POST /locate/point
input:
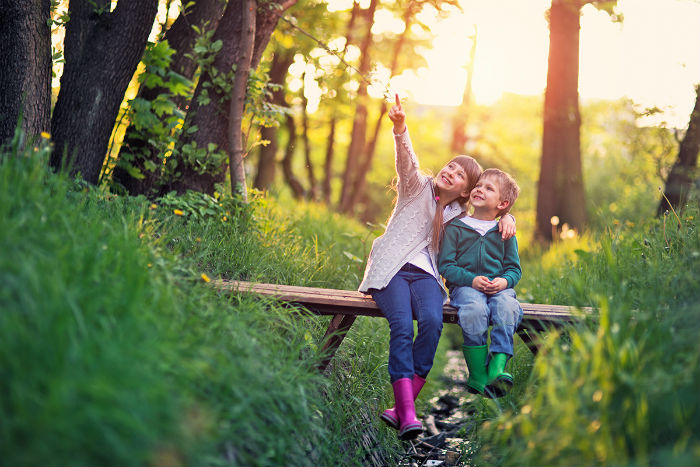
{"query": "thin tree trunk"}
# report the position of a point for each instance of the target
(359, 127)
(368, 156)
(561, 191)
(313, 185)
(237, 104)
(289, 177)
(328, 164)
(25, 68)
(684, 170)
(102, 51)
(267, 155)
(461, 118)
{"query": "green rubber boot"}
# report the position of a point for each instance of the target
(499, 382)
(475, 356)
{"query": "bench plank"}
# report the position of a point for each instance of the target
(346, 305)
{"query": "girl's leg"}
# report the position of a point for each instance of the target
(394, 301)
(426, 301)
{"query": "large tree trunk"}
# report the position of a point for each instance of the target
(25, 67)
(561, 192)
(237, 104)
(684, 170)
(181, 36)
(359, 126)
(211, 118)
(267, 155)
(102, 51)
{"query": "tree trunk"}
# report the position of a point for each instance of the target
(313, 185)
(211, 118)
(684, 170)
(181, 36)
(267, 155)
(237, 104)
(461, 118)
(365, 166)
(102, 51)
(328, 164)
(561, 192)
(359, 126)
(25, 68)
(289, 177)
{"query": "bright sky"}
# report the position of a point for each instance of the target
(652, 57)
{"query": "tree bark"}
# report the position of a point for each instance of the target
(267, 155)
(211, 119)
(181, 36)
(289, 177)
(313, 185)
(25, 68)
(365, 165)
(684, 170)
(459, 121)
(328, 164)
(237, 104)
(102, 51)
(359, 126)
(561, 191)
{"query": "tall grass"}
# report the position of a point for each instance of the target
(622, 389)
(114, 351)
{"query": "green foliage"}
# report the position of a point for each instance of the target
(621, 389)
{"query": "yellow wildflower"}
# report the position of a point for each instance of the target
(45, 135)
(178, 212)
(205, 278)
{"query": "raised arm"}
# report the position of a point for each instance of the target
(406, 160)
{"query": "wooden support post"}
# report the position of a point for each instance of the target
(337, 329)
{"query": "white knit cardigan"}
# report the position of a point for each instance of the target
(409, 229)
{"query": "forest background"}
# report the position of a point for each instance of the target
(157, 111)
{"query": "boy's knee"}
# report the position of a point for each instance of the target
(473, 320)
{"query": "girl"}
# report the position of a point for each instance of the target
(401, 273)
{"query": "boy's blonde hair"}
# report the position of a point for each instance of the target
(508, 188)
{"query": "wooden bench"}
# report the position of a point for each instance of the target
(346, 305)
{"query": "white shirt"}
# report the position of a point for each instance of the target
(477, 224)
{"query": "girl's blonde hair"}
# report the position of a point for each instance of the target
(473, 170)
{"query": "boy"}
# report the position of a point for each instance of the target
(480, 270)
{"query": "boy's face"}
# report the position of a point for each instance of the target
(487, 195)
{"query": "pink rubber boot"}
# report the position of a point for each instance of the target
(390, 417)
(409, 426)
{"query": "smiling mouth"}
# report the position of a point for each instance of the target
(446, 180)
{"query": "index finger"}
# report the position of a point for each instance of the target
(398, 101)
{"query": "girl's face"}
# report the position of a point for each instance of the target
(452, 181)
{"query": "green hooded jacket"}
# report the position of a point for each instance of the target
(465, 254)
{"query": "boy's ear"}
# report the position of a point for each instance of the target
(502, 205)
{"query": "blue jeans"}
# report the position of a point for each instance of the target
(411, 293)
(477, 311)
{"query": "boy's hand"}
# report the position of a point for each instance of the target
(484, 285)
(398, 116)
(506, 226)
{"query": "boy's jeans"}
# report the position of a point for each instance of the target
(411, 292)
(478, 311)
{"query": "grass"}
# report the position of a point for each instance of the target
(622, 389)
(114, 351)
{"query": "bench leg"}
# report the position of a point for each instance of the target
(529, 337)
(337, 329)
